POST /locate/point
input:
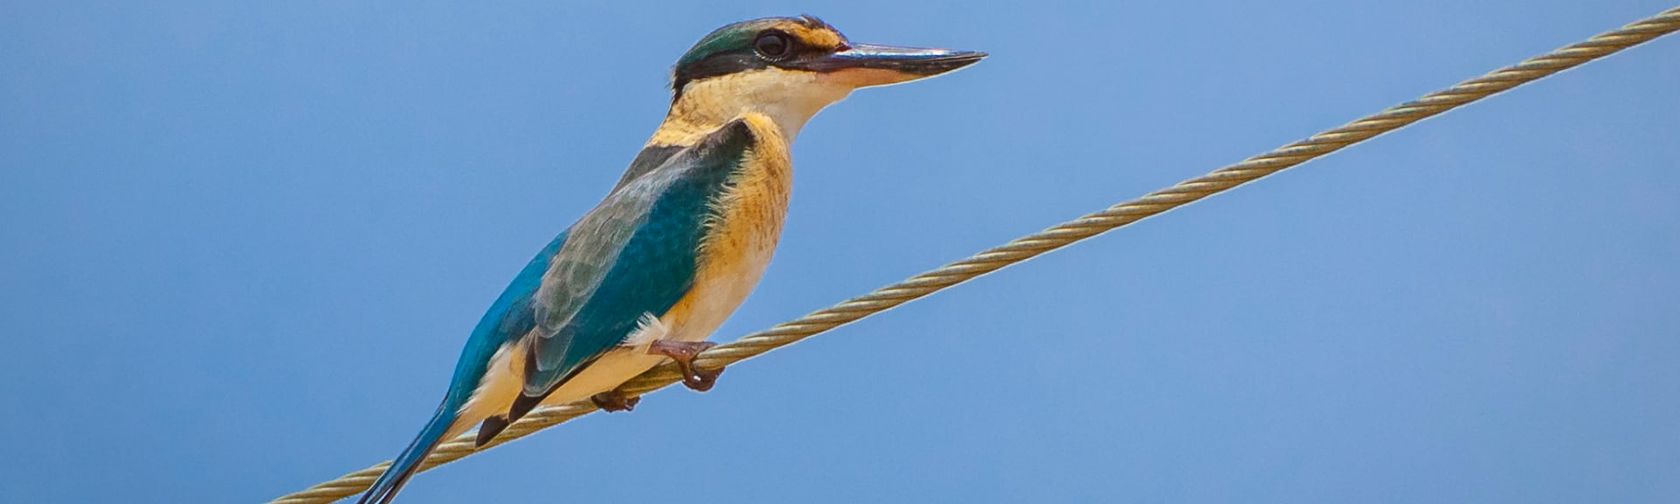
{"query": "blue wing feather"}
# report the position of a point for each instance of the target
(508, 318)
(647, 270)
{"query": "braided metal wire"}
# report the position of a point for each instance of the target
(1056, 237)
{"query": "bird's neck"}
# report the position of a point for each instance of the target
(788, 99)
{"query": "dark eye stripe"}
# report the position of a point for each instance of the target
(769, 48)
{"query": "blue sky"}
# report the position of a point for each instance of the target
(241, 244)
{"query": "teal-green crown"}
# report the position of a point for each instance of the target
(732, 48)
(738, 37)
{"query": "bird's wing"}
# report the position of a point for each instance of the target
(636, 253)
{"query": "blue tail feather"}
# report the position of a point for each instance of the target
(385, 488)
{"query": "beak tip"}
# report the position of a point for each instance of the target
(959, 59)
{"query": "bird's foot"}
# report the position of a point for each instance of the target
(615, 400)
(683, 352)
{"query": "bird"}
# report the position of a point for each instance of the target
(676, 245)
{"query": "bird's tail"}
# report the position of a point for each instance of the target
(385, 488)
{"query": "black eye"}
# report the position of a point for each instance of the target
(773, 45)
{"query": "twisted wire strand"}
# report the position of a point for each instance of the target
(1056, 237)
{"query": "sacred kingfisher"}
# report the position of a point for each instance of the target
(678, 243)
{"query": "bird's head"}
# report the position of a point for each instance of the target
(790, 68)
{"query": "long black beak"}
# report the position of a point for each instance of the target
(911, 60)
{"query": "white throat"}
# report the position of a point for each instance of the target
(789, 98)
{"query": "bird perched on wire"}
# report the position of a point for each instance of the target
(684, 236)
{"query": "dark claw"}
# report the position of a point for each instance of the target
(683, 353)
(700, 381)
(615, 401)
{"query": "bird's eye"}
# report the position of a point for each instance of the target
(773, 45)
